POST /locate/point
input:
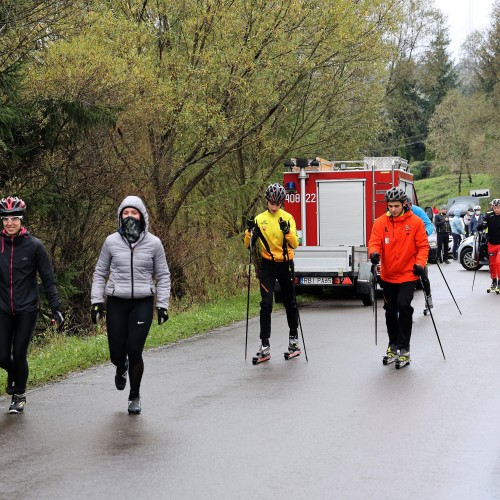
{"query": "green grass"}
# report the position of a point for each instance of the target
(53, 356)
(437, 190)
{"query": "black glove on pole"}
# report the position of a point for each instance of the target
(375, 258)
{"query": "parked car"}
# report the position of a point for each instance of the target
(468, 249)
(461, 203)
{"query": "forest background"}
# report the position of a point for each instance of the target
(194, 105)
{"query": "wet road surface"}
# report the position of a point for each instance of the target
(342, 426)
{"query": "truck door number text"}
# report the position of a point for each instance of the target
(295, 197)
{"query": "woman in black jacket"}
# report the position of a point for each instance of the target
(22, 256)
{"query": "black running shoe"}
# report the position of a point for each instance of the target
(121, 377)
(134, 406)
(10, 384)
(17, 403)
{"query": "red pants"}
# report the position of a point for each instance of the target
(494, 255)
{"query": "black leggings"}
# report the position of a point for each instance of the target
(269, 272)
(128, 322)
(15, 335)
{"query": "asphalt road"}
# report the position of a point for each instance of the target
(341, 426)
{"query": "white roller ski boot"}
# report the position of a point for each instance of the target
(403, 359)
(493, 287)
(263, 354)
(428, 304)
(293, 348)
(391, 355)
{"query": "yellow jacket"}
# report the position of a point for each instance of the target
(269, 226)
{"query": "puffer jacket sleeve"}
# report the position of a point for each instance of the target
(162, 276)
(101, 273)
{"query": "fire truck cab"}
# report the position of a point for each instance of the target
(334, 204)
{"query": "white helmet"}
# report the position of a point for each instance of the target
(476, 208)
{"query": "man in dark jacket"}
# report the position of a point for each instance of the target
(443, 231)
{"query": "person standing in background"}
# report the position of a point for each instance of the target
(443, 231)
(457, 231)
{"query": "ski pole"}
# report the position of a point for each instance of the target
(432, 317)
(475, 253)
(374, 273)
(449, 289)
(292, 269)
(248, 293)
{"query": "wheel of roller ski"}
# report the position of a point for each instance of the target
(254, 361)
(488, 291)
(425, 312)
(497, 291)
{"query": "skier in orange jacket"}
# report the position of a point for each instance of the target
(399, 243)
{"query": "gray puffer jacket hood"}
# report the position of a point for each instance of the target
(137, 203)
(132, 271)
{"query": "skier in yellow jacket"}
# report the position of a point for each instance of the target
(275, 233)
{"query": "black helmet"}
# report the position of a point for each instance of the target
(395, 194)
(275, 193)
(12, 206)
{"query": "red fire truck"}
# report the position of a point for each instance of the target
(334, 204)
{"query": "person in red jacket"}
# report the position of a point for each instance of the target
(399, 243)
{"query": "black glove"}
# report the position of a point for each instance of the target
(57, 319)
(162, 315)
(481, 226)
(97, 312)
(250, 223)
(284, 226)
(418, 270)
(375, 258)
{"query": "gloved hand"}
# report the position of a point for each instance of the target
(250, 223)
(418, 270)
(481, 226)
(284, 226)
(162, 315)
(57, 319)
(97, 312)
(375, 258)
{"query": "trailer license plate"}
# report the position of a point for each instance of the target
(315, 280)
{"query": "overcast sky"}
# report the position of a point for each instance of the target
(464, 16)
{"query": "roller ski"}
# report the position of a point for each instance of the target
(403, 359)
(263, 354)
(293, 348)
(391, 355)
(493, 287)
(428, 304)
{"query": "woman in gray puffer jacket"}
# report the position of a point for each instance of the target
(131, 270)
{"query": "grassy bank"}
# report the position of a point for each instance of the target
(437, 190)
(53, 356)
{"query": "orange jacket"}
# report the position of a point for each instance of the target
(401, 242)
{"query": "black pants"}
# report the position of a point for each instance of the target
(15, 335)
(443, 246)
(128, 322)
(269, 272)
(399, 312)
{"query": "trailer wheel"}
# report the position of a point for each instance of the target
(369, 298)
